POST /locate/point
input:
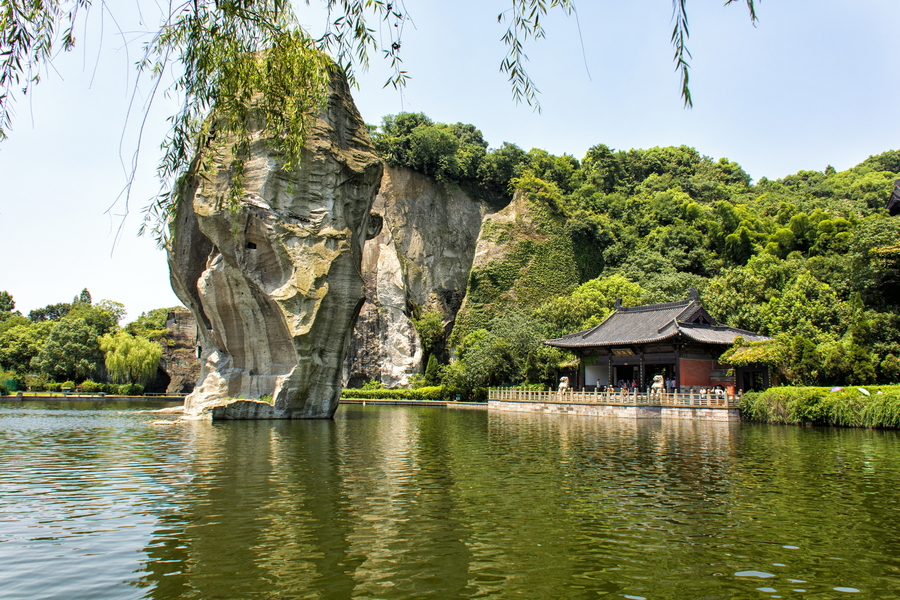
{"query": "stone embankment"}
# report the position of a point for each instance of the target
(686, 406)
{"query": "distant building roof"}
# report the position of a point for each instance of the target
(893, 204)
(656, 323)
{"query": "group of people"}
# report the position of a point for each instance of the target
(622, 384)
(632, 385)
(718, 392)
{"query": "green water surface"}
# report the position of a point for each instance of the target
(409, 502)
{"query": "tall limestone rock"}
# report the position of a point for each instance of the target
(275, 285)
(419, 262)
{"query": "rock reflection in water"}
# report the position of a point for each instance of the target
(306, 509)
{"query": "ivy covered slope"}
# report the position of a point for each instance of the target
(811, 259)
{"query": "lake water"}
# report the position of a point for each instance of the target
(406, 502)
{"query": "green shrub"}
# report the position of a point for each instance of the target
(844, 408)
(476, 394)
(9, 382)
(131, 389)
(36, 383)
(790, 405)
(91, 387)
(435, 392)
(416, 381)
(372, 384)
(432, 371)
(369, 394)
(882, 410)
(531, 387)
(820, 406)
(7, 374)
(53, 386)
(430, 392)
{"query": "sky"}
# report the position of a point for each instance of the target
(814, 83)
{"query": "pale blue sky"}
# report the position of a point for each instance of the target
(815, 83)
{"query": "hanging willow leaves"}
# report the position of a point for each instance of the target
(253, 65)
(270, 79)
(525, 23)
(680, 35)
(248, 69)
(28, 36)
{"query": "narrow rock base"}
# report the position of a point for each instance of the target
(245, 410)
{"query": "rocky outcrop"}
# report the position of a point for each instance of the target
(419, 262)
(275, 285)
(179, 357)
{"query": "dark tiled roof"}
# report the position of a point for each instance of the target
(655, 323)
(719, 334)
(893, 204)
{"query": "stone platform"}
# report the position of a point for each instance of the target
(686, 406)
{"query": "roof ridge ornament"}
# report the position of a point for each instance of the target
(618, 304)
(693, 294)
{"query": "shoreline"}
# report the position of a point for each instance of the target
(86, 398)
(441, 403)
(361, 401)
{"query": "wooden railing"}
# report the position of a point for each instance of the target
(618, 397)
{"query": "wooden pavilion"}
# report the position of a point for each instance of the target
(678, 340)
(893, 204)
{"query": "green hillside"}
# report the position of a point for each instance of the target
(811, 259)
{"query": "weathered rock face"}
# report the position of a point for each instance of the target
(275, 285)
(420, 260)
(179, 359)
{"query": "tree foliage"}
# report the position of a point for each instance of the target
(51, 312)
(7, 304)
(208, 38)
(20, 341)
(430, 329)
(71, 352)
(78, 344)
(454, 153)
(508, 352)
(29, 37)
(151, 324)
(130, 359)
(588, 304)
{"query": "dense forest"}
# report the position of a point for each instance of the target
(810, 259)
(80, 343)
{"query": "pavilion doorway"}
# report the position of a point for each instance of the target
(626, 374)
